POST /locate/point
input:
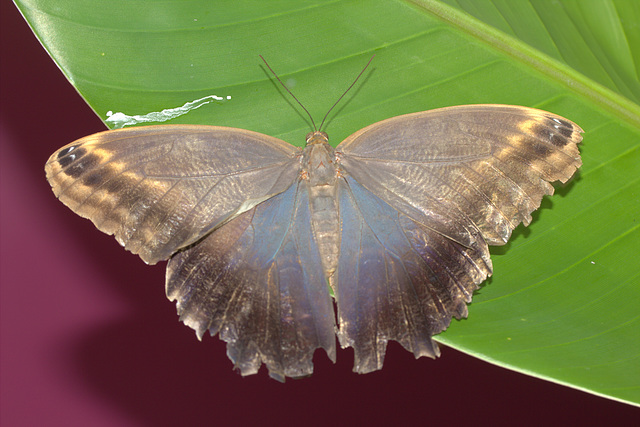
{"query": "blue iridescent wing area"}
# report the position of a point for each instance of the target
(424, 195)
(161, 188)
(258, 282)
(398, 279)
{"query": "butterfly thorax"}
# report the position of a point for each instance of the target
(320, 171)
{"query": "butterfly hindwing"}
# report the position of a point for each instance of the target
(160, 188)
(398, 279)
(258, 283)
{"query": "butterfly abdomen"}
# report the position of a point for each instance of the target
(320, 170)
(325, 225)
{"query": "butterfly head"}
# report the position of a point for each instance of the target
(317, 137)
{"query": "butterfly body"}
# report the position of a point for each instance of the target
(397, 218)
(321, 171)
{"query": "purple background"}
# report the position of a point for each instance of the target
(88, 337)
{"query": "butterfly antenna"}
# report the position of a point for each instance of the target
(290, 93)
(345, 92)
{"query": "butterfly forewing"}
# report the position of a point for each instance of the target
(489, 163)
(161, 188)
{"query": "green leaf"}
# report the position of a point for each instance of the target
(562, 304)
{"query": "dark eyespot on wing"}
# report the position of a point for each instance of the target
(553, 134)
(68, 155)
(63, 152)
(565, 127)
(79, 163)
(555, 129)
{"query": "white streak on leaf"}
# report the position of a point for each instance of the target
(120, 120)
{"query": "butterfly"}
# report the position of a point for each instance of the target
(261, 237)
